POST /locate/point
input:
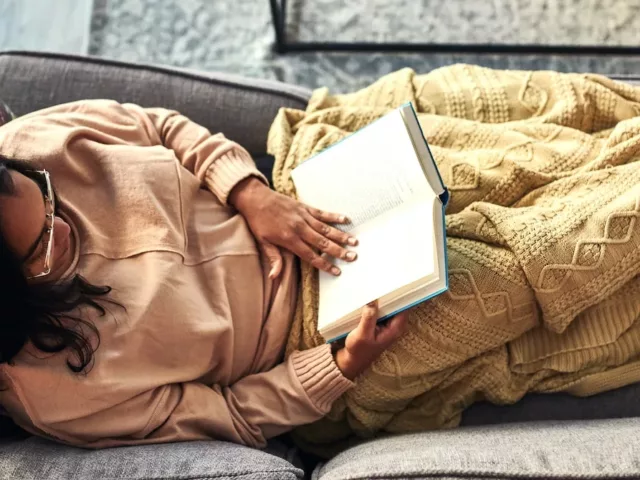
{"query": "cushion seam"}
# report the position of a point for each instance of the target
(476, 475)
(209, 476)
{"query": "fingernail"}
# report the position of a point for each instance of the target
(352, 241)
(372, 304)
(343, 219)
(335, 271)
(351, 256)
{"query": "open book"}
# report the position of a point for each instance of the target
(384, 179)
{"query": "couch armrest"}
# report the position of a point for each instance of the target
(598, 449)
(241, 108)
(45, 460)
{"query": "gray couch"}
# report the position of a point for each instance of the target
(553, 436)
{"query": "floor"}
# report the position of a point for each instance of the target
(49, 25)
(236, 36)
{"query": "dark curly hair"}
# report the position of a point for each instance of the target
(42, 313)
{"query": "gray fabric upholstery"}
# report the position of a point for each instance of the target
(265, 165)
(6, 115)
(632, 79)
(620, 403)
(241, 108)
(566, 450)
(37, 459)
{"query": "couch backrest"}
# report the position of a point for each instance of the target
(242, 108)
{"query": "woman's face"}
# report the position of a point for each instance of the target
(23, 223)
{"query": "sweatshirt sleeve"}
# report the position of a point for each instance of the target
(218, 162)
(254, 409)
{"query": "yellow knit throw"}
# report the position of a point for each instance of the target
(543, 242)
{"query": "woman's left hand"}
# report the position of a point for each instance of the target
(279, 221)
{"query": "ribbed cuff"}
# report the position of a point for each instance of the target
(231, 168)
(320, 376)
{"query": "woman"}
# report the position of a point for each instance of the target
(145, 298)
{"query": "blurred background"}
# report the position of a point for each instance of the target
(237, 36)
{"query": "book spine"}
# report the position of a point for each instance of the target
(444, 197)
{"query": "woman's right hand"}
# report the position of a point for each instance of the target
(365, 344)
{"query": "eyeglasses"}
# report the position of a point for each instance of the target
(50, 209)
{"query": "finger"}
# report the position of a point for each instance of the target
(393, 329)
(306, 253)
(315, 240)
(273, 255)
(369, 317)
(327, 217)
(331, 233)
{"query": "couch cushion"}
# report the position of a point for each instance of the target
(619, 403)
(241, 108)
(631, 79)
(38, 459)
(6, 115)
(562, 450)
(265, 165)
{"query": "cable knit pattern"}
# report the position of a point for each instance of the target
(544, 237)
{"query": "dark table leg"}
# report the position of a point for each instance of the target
(279, 19)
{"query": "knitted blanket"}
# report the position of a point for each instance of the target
(543, 242)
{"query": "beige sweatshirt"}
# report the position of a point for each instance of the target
(197, 353)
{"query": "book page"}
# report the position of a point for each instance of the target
(371, 172)
(396, 249)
